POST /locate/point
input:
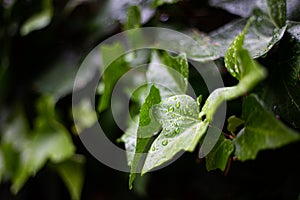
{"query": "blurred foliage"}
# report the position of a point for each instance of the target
(43, 43)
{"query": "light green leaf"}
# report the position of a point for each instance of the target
(39, 20)
(72, 173)
(168, 73)
(252, 74)
(233, 123)
(231, 58)
(49, 141)
(134, 18)
(112, 71)
(146, 129)
(156, 3)
(218, 156)
(86, 116)
(262, 131)
(182, 130)
(13, 141)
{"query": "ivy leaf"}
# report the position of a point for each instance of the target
(182, 130)
(262, 131)
(13, 140)
(134, 18)
(260, 38)
(231, 58)
(233, 123)
(39, 20)
(71, 172)
(129, 138)
(156, 3)
(49, 141)
(168, 73)
(252, 74)
(146, 128)
(86, 116)
(277, 11)
(280, 92)
(112, 71)
(242, 7)
(218, 156)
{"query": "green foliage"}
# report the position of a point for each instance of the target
(257, 130)
(38, 20)
(34, 125)
(219, 155)
(112, 71)
(71, 171)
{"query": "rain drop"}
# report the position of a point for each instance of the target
(171, 109)
(165, 142)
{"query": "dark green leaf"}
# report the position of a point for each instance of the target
(71, 172)
(262, 35)
(277, 11)
(280, 92)
(262, 131)
(218, 157)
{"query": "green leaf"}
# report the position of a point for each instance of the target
(13, 141)
(252, 74)
(114, 67)
(49, 141)
(2, 166)
(156, 3)
(242, 7)
(262, 35)
(39, 20)
(129, 138)
(231, 58)
(168, 73)
(182, 130)
(134, 18)
(277, 11)
(146, 129)
(72, 173)
(262, 131)
(280, 92)
(218, 156)
(233, 123)
(86, 116)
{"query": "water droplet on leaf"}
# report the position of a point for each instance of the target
(165, 142)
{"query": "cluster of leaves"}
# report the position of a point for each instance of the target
(170, 121)
(167, 120)
(34, 133)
